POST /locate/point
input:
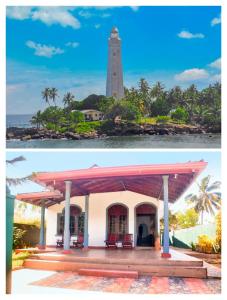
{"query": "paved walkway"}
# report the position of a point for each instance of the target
(36, 281)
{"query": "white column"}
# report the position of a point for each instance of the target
(166, 217)
(67, 215)
(131, 223)
(86, 235)
(42, 226)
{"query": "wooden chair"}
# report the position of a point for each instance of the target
(127, 242)
(59, 243)
(111, 242)
(79, 243)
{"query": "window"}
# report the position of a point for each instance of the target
(118, 220)
(122, 224)
(76, 224)
(112, 221)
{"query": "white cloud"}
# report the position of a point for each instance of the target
(72, 44)
(105, 15)
(216, 21)
(56, 15)
(188, 35)
(216, 78)
(134, 8)
(18, 12)
(97, 26)
(48, 15)
(44, 50)
(192, 75)
(216, 64)
(85, 14)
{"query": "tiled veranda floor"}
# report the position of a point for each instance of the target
(70, 281)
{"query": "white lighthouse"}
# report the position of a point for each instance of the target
(114, 83)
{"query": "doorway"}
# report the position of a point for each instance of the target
(145, 225)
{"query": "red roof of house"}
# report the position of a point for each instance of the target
(143, 179)
(50, 198)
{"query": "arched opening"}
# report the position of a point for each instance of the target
(145, 225)
(76, 224)
(117, 220)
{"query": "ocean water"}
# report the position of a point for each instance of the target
(22, 121)
(152, 142)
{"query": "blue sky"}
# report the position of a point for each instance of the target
(66, 47)
(58, 161)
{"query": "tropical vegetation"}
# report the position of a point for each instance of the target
(208, 199)
(155, 104)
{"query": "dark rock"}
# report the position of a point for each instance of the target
(26, 138)
(71, 135)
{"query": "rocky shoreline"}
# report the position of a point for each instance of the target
(123, 129)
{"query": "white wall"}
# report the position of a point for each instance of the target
(98, 204)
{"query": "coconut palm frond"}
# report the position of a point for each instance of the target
(191, 198)
(204, 183)
(18, 181)
(214, 186)
(15, 160)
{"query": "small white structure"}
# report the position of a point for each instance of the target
(92, 114)
(114, 83)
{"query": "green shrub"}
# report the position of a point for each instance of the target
(50, 126)
(180, 114)
(86, 127)
(193, 246)
(162, 119)
(218, 233)
(205, 244)
(63, 129)
(17, 237)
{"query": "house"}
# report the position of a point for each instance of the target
(92, 114)
(99, 201)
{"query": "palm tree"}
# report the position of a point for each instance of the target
(68, 99)
(16, 181)
(37, 119)
(46, 95)
(53, 94)
(207, 199)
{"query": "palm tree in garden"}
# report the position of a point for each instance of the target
(207, 200)
(46, 95)
(16, 181)
(37, 119)
(53, 94)
(68, 99)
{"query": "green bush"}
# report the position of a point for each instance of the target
(17, 237)
(50, 126)
(163, 119)
(180, 114)
(205, 244)
(86, 127)
(63, 129)
(193, 246)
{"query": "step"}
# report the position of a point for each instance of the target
(181, 271)
(123, 261)
(108, 273)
